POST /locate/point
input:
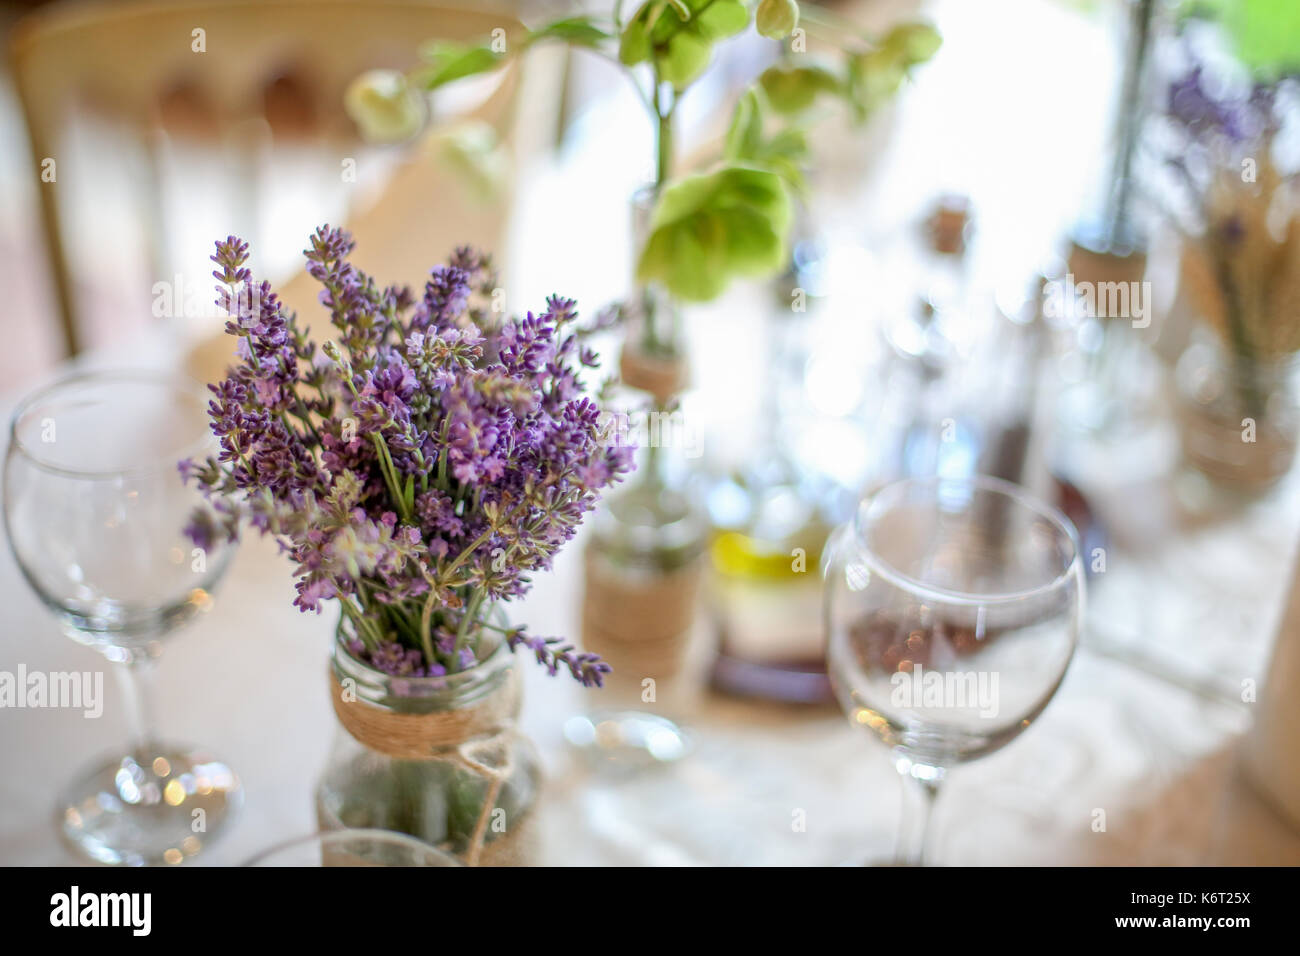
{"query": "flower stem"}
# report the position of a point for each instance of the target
(663, 137)
(1243, 368)
(474, 545)
(426, 621)
(390, 476)
(470, 614)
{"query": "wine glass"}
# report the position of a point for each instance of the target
(362, 847)
(95, 512)
(952, 610)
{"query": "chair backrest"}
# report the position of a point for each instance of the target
(197, 85)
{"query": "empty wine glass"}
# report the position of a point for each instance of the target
(95, 511)
(362, 847)
(952, 611)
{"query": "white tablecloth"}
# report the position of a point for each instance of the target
(1159, 757)
(247, 682)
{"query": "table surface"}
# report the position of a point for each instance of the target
(248, 682)
(1147, 726)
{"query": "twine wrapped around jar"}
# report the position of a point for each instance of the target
(426, 736)
(663, 378)
(640, 622)
(468, 735)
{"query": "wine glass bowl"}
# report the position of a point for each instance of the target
(953, 608)
(95, 512)
(95, 509)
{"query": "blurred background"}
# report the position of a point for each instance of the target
(1034, 146)
(160, 149)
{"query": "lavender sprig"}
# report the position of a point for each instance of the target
(418, 468)
(552, 653)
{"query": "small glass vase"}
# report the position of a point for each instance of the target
(644, 561)
(438, 758)
(1238, 419)
(769, 522)
(641, 612)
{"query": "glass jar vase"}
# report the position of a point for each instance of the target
(1238, 418)
(438, 758)
(644, 560)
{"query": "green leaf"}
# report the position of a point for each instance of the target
(634, 45)
(384, 107)
(793, 89)
(579, 31)
(745, 135)
(473, 150)
(720, 19)
(776, 19)
(710, 228)
(1265, 34)
(788, 143)
(786, 154)
(912, 43)
(681, 48)
(875, 76)
(687, 56)
(454, 61)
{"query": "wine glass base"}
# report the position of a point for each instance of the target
(627, 739)
(160, 808)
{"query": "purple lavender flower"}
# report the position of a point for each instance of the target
(1223, 117)
(446, 295)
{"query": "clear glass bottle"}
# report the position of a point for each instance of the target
(438, 758)
(770, 520)
(644, 559)
(929, 353)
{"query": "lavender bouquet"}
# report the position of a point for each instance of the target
(418, 468)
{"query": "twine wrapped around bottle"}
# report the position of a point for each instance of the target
(1101, 268)
(663, 378)
(465, 735)
(639, 622)
(1216, 448)
(1213, 416)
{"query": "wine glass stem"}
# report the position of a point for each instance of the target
(914, 833)
(136, 680)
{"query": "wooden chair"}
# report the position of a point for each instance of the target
(241, 80)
